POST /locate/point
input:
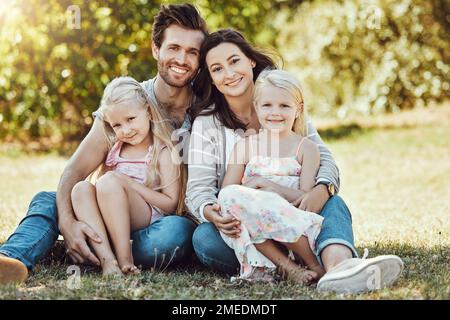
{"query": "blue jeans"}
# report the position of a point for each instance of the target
(165, 242)
(213, 252)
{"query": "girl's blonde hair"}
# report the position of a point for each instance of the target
(124, 90)
(287, 81)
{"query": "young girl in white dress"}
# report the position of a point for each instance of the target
(264, 167)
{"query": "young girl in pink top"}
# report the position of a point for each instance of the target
(139, 181)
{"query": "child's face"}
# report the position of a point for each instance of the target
(130, 122)
(276, 109)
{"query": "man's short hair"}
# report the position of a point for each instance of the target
(185, 15)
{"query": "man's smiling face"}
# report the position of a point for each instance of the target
(178, 56)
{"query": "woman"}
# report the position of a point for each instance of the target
(229, 67)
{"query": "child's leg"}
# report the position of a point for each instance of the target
(287, 267)
(85, 206)
(121, 211)
(302, 248)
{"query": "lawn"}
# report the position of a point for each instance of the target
(394, 178)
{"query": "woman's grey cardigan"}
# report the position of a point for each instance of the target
(206, 164)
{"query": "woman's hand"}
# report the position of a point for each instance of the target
(229, 225)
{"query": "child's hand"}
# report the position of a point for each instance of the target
(257, 183)
(262, 184)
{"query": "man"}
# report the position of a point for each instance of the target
(178, 32)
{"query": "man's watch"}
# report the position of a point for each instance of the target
(330, 187)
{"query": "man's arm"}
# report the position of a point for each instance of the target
(315, 199)
(328, 170)
(88, 156)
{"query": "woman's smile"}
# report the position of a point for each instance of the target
(234, 82)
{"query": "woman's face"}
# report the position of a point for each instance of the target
(230, 69)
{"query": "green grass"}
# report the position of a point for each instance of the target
(394, 179)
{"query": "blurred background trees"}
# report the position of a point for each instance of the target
(352, 56)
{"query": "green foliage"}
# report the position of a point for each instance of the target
(368, 56)
(52, 76)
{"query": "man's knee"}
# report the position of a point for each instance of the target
(335, 207)
(169, 238)
(181, 228)
(44, 204)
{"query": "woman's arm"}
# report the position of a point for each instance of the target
(167, 197)
(202, 185)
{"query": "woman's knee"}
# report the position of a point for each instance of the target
(207, 240)
(212, 251)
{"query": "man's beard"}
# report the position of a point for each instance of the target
(164, 73)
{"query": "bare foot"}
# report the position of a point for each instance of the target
(263, 275)
(319, 270)
(130, 268)
(111, 267)
(300, 275)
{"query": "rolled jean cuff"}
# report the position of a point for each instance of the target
(330, 241)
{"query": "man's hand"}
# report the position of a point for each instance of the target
(229, 225)
(75, 234)
(313, 200)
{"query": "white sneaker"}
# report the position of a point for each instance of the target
(361, 275)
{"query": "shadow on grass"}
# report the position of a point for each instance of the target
(354, 129)
(341, 131)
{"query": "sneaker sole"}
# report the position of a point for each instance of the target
(12, 271)
(372, 274)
